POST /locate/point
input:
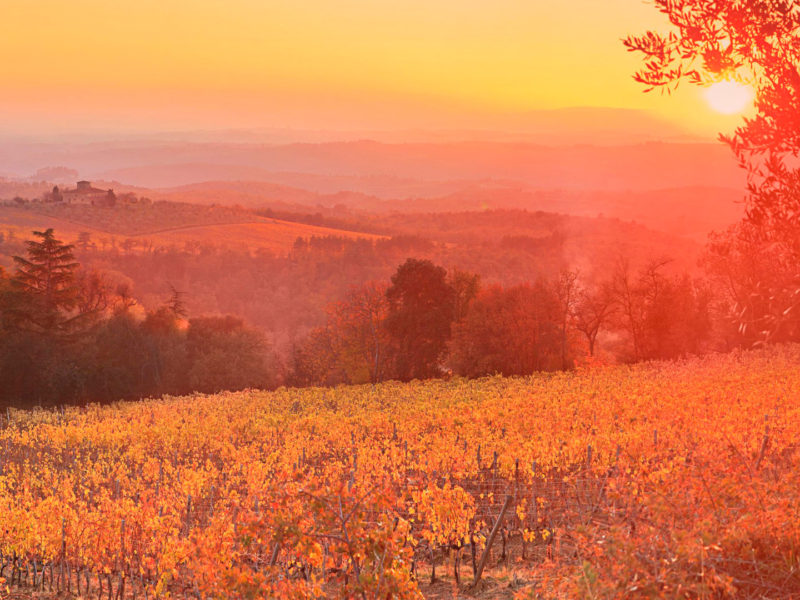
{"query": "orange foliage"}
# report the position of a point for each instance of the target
(658, 480)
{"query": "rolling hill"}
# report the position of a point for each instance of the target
(163, 224)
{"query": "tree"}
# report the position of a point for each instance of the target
(565, 288)
(124, 299)
(315, 362)
(176, 303)
(93, 292)
(421, 311)
(592, 310)
(48, 293)
(223, 354)
(165, 362)
(465, 287)
(754, 42)
(664, 316)
(511, 331)
(753, 285)
(361, 341)
(628, 298)
(84, 241)
(120, 361)
(353, 346)
(5, 291)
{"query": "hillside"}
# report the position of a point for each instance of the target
(633, 167)
(651, 165)
(680, 479)
(389, 169)
(690, 212)
(679, 186)
(163, 224)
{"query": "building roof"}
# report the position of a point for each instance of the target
(85, 190)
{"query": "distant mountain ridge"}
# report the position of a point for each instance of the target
(557, 126)
(635, 167)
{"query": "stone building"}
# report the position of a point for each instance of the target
(84, 193)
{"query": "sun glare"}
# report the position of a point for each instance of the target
(728, 97)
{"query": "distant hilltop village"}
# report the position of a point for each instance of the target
(84, 193)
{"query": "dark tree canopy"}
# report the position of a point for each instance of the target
(224, 354)
(421, 311)
(511, 331)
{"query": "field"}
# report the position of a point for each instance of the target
(162, 224)
(665, 480)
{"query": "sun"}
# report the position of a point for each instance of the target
(728, 97)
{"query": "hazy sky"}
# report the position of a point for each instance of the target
(332, 64)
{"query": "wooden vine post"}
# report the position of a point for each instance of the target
(490, 541)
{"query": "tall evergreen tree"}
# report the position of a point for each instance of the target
(46, 289)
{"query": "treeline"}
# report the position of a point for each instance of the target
(427, 322)
(349, 223)
(285, 294)
(67, 336)
(76, 332)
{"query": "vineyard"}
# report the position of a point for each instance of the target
(662, 480)
(146, 227)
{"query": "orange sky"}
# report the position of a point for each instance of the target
(311, 64)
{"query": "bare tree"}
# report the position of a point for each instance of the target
(566, 293)
(592, 311)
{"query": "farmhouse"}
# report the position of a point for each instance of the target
(84, 193)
